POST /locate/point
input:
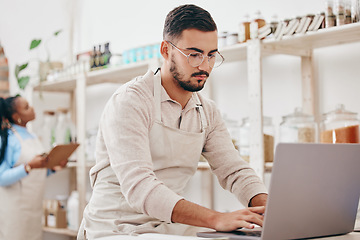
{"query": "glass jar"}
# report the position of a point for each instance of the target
(340, 12)
(47, 130)
(339, 126)
(222, 40)
(245, 139)
(233, 127)
(257, 23)
(330, 17)
(298, 128)
(244, 29)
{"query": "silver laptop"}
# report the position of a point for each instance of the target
(314, 192)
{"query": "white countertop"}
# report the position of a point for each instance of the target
(154, 236)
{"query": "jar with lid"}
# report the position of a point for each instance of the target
(339, 126)
(222, 39)
(233, 127)
(244, 29)
(348, 18)
(274, 23)
(330, 18)
(298, 127)
(232, 39)
(47, 134)
(245, 139)
(340, 12)
(355, 10)
(257, 23)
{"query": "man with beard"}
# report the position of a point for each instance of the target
(151, 135)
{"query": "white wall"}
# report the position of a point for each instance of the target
(140, 22)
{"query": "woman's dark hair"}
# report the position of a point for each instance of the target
(7, 108)
(187, 17)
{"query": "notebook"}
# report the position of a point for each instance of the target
(314, 192)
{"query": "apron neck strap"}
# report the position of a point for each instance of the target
(16, 134)
(200, 109)
(157, 95)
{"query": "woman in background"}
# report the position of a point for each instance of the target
(22, 172)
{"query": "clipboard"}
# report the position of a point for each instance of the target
(60, 153)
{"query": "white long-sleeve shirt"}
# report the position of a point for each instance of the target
(123, 141)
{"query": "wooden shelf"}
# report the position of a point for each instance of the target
(61, 231)
(73, 164)
(298, 45)
(120, 74)
(203, 166)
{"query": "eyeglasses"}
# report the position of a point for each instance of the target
(195, 59)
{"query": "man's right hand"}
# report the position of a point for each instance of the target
(39, 161)
(245, 218)
(192, 214)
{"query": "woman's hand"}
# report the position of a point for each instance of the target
(245, 218)
(39, 161)
(60, 166)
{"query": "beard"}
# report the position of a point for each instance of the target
(186, 84)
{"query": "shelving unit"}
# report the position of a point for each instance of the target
(76, 87)
(61, 231)
(252, 52)
(298, 45)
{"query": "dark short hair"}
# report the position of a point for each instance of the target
(187, 16)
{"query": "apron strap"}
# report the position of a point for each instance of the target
(17, 134)
(200, 109)
(157, 96)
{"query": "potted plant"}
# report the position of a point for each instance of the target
(44, 67)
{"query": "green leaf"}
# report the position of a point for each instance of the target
(35, 43)
(19, 68)
(57, 33)
(23, 81)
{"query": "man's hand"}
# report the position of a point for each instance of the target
(258, 200)
(242, 218)
(192, 214)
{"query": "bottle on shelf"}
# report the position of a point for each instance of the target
(101, 57)
(73, 211)
(64, 129)
(107, 54)
(47, 134)
(93, 59)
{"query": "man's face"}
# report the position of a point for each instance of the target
(191, 78)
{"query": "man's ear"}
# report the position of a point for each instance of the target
(164, 49)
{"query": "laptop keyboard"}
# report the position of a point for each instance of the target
(247, 233)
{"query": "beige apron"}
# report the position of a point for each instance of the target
(175, 154)
(21, 203)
